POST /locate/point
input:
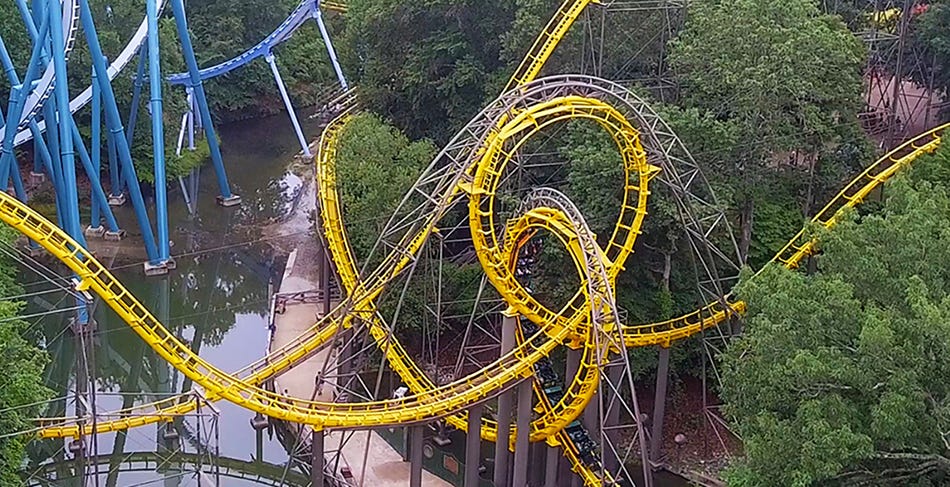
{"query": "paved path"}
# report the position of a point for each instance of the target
(384, 466)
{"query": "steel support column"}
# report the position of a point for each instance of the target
(158, 133)
(316, 458)
(550, 466)
(522, 432)
(505, 402)
(95, 221)
(269, 57)
(318, 15)
(473, 445)
(188, 52)
(66, 150)
(659, 405)
(415, 456)
(573, 365)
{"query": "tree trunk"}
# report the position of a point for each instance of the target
(667, 269)
(745, 228)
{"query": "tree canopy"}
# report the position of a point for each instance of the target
(21, 384)
(784, 76)
(843, 376)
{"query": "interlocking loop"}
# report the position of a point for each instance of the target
(471, 166)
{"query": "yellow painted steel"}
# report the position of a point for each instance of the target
(333, 6)
(571, 325)
(307, 343)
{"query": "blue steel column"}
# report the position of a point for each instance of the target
(191, 118)
(269, 57)
(40, 151)
(114, 122)
(226, 198)
(98, 196)
(96, 222)
(67, 155)
(116, 197)
(158, 132)
(318, 15)
(136, 94)
(17, 96)
(41, 156)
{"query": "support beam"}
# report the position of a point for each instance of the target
(181, 23)
(573, 365)
(316, 458)
(415, 456)
(523, 430)
(116, 130)
(318, 15)
(158, 133)
(615, 375)
(505, 403)
(551, 465)
(659, 405)
(66, 150)
(473, 445)
(96, 146)
(269, 57)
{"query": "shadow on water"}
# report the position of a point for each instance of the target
(216, 302)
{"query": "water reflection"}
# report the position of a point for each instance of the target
(215, 302)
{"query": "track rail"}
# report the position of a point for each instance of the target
(467, 168)
(121, 61)
(303, 12)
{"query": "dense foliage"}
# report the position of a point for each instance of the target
(743, 63)
(842, 376)
(21, 384)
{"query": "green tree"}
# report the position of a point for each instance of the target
(787, 79)
(843, 376)
(22, 380)
(426, 65)
(932, 29)
(376, 166)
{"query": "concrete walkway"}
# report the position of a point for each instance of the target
(384, 466)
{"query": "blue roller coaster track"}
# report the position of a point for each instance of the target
(42, 95)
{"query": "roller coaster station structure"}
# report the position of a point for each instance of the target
(511, 393)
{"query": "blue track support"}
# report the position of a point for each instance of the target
(290, 107)
(96, 145)
(66, 150)
(17, 98)
(190, 96)
(318, 16)
(158, 132)
(115, 177)
(188, 52)
(114, 123)
(37, 162)
(99, 199)
(136, 95)
(18, 188)
(41, 156)
(55, 167)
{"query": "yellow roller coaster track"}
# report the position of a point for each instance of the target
(310, 341)
(480, 165)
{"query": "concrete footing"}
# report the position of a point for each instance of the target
(94, 232)
(114, 236)
(116, 199)
(233, 200)
(155, 270)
